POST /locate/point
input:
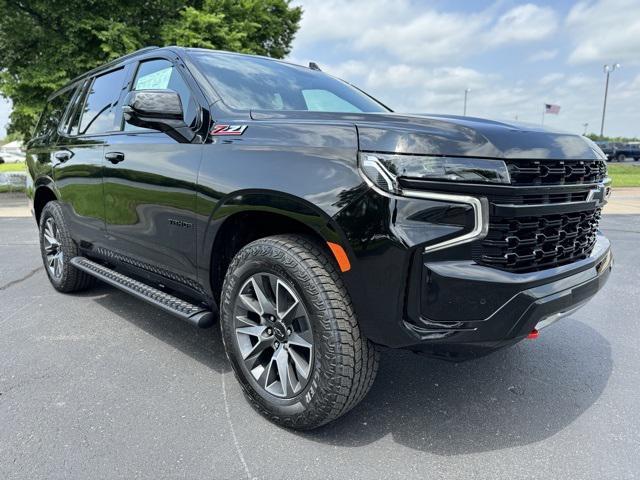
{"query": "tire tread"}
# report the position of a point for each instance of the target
(353, 358)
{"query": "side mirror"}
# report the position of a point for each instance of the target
(158, 110)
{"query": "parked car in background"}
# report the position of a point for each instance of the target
(314, 223)
(616, 151)
(607, 148)
(12, 152)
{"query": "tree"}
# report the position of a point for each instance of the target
(45, 43)
(597, 138)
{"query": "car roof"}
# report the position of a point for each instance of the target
(171, 48)
(106, 66)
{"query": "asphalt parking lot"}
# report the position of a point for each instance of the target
(100, 385)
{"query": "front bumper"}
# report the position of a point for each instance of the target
(467, 310)
(413, 286)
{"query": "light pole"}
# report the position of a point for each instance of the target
(466, 94)
(607, 69)
(585, 125)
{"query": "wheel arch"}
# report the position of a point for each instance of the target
(246, 216)
(43, 194)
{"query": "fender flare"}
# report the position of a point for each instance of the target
(268, 201)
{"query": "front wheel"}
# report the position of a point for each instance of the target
(291, 334)
(621, 157)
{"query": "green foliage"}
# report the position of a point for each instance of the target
(598, 138)
(45, 43)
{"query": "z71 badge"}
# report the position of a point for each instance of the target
(228, 129)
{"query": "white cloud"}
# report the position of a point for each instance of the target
(605, 31)
(428, 36)
(419, 33)
(411, 32)
(543, 55)
(524, 23)
(551, 78)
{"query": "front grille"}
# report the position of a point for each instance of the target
(528, 244)
(541, 198)
(556, 172)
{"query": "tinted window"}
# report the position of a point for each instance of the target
(325, 101)
(259, 83)
(98, 113)
(73, 117)
(162, 75)
(53, 113)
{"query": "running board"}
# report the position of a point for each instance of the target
(193, 314)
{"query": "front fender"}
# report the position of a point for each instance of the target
(255, 200)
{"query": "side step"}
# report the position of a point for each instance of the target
(194, 314)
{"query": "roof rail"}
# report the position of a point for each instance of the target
(113, 62)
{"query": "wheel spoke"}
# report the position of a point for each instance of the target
(246, 321)
(265, 303)
(301, 365)
(286, 301)
(50, 241)
(57, 267)
(298, 340)
(282, 361)
(251, 351)
(250, 304)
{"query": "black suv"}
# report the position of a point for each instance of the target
(312, 221)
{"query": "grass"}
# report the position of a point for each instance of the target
(624, 175)
(12, 167)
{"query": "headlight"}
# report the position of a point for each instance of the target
(385, 169)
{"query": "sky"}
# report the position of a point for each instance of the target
(419, 56)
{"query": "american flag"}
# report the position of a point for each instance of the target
(549, 108)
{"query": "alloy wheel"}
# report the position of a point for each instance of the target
(273, 334)
(53, 248)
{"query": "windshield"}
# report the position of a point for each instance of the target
(254, 83)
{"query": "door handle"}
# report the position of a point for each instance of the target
(63, 155)
(114, 157)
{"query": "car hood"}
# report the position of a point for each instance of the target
(455, 136)
(466, 136)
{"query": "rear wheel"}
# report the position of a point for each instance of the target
(291, 334)
(57, 249)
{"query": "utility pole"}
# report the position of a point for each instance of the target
(607, 70)
(466, 94)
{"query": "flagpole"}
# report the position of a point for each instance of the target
(544, 108)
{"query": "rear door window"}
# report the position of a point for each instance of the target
(98, 113)
(52, 114)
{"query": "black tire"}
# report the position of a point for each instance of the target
(69, 279)
(621, 157)
(344, 363)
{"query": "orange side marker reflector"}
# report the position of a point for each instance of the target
(533, 335)
(341, 256)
